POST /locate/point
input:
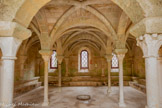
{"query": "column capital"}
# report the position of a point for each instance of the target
(9, 45)
(60, 58)
(121, 53)
(150, 44)
(46, 54)
(13, 29)
(108, 57)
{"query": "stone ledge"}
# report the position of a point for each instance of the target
(25, 86)
(137, 86)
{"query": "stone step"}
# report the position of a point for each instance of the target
(138, 86)
(85, 83)
(22, 87)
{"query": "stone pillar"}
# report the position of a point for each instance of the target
(109, 58)
(46, 55)
(102, 63)
(67, 66)
(121, 54)
(150, 45)
(11, 36)
(22, 63)
(59, 58)
(9, 47)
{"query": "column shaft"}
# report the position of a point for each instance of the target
(121, 54)
(7, 81)
(152, 82)
(67, 66)
(109, 76)
(121, 88)
(46, 102)
(59, 76)
(46, 55)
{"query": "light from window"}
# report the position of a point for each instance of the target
(115, 63)
(84, 59)
(53, 61)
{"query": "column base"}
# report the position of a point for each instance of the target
(45, 103)
(60, 89)
(109, 90)
(122, 105)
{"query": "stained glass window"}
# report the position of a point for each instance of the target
(53, 61)
(84, 59)
(115, 63)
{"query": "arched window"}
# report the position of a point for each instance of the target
(84, 59)
(53, 61)
(115, 63)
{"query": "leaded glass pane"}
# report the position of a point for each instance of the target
(115, 63)
(84, 59)
(54, 60)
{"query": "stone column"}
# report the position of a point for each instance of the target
(11, 36)
(150, 45)
(22, 63)
(9, 47)
(121, 54)
(67, 66)
(46, 55)
(102, 63)
(108, 58)
(59, 58)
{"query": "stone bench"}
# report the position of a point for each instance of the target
(24, 86)
(138, 86)
(86, 81)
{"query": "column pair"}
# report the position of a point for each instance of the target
(59, 59)
(46, 55)
(121, 54)
(108, 59)
(67, 66)
(150, 45)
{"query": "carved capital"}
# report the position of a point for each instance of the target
(9, 45)
(150, 44)
(121, 53)
(13, 29)
(46, 54)
(108, 57)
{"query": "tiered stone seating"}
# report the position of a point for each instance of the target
(139, 84)
(25, 86)
(86, 81)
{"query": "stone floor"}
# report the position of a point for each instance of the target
(66, 98)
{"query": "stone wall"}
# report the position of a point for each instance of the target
(138, 63)
(26, 66)
(33, 65)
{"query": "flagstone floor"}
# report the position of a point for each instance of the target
(65, 97)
